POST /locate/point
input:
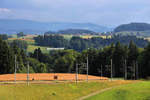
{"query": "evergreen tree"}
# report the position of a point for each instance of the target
(6, 58)
(145, 62)
(118, 58)
(132, 59)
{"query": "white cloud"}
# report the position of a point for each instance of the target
(5, 10)
(96, 11)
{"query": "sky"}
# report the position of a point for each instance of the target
(102, 12)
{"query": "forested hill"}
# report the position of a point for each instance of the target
(133, 27)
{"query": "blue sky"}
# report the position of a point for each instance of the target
(102, 12)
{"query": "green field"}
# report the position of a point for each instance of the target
(62, 91)
(137, 91)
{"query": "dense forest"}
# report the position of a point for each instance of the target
(124, 57)
(51, 41)
(80, 44)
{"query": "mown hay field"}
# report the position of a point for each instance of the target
(48, 76)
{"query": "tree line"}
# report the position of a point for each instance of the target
(80, 44)
(125, 58)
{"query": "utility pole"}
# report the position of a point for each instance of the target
(137, 73)
(125, 69)
(87, 67)
(101, 71)
(15, 67)
(111, 70)
(76, 73)
(28, 73)
(135, 70)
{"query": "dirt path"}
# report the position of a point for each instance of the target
(101, 91)
(95, 93)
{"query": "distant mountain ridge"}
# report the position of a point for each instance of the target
(18, 25)
(76, 31)
(72, 31)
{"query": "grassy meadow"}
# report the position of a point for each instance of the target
(137, 91)
(62, 91)
(31, 48)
